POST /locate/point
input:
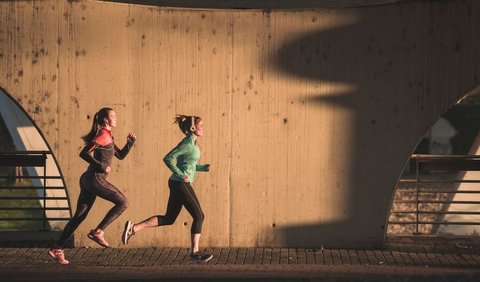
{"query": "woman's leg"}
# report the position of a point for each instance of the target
(195, 242)
(174, 207)
(107, 191)
(192, 205)
(84, 204)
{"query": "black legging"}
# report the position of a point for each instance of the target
(182, 194)
(92, 185)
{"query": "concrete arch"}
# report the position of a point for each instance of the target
(27, 137)
(311, 114)
(451, 124)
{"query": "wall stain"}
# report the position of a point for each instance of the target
(45, 96)
(250, 82)
(75, 101)
(129, 22)
(37, 109)
(82, 52)
(37, 54)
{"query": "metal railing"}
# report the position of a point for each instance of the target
(431, 194)
(37, 183)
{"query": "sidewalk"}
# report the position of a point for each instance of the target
(242, 264)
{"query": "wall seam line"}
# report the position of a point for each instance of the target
(231, 134)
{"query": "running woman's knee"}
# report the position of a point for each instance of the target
(81, 217)
(200, 217)
(81, 214)
(164, 220)
(77, 219)
(123, 204)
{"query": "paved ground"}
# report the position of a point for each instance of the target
(403, 260)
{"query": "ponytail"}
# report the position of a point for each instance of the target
(187, 124)
(98, 123)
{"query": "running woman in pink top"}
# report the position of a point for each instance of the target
(93, 182)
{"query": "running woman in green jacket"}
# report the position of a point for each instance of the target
(182, 161)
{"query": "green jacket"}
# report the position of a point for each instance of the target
(186, 154)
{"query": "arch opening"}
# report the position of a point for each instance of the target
(439, 189)
(33, 193)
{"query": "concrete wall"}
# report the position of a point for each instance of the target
(310, 115)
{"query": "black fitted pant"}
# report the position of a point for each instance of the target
(182, 194)
(94, 184)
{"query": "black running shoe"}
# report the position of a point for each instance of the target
(197, 257)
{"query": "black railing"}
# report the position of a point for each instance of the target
(431, 191)
(10, 184)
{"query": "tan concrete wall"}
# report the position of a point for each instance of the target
(310, 115)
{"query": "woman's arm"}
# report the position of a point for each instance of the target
(121, 154)
(87, 156)
(179, 150)
(103, 138)
(205, 167)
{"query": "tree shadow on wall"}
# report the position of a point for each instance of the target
(378, 59)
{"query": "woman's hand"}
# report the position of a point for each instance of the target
(108, 169)
(131, 137)
(186, 179)
(207, 167)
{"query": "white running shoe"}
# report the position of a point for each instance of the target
(127, 232)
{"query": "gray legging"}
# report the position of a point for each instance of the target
(182, 194)
(94, 184)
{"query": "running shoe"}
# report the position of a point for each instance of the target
(197, 257)
(97, 237)
(58, 255)
(127, 232)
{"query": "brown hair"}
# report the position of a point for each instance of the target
(98, 122)
(187, 123)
